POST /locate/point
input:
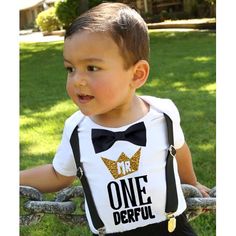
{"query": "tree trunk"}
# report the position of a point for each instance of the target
(83, 6)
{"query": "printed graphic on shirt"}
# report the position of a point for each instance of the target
(134, 207)
(124, 165)
(129, 199)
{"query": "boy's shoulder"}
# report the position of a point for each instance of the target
(73, 121)
(163, 105)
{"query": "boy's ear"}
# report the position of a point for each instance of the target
(140, 73)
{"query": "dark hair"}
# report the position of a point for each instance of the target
(126, 27)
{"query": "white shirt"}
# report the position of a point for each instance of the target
(127, 181)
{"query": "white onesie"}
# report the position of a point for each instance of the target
(127, 181)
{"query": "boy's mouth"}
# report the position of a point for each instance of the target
(85, 98)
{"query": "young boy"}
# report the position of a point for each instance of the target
(106, 53)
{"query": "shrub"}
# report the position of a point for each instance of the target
(47, 20)
(67, 11)
(93, 3)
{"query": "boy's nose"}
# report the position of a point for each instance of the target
(79, 79)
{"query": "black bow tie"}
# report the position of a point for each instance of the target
(104, 139)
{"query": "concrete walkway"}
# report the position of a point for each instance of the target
(204, 23)
(180, 25)
(29, 36)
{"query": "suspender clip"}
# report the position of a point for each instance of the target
(80, 172)
(172, 150)
(171, 222)
(102, 231)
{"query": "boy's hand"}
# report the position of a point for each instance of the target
(186, 171)
(203, 189)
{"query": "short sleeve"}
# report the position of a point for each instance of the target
(179, 139)
(63, 161)
(164, 105)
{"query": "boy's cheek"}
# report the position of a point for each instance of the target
(68, 89)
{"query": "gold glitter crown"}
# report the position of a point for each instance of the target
(124, 165)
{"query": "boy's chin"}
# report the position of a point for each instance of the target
(88, 112)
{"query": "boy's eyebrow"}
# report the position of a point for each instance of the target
(66, 60)
(86, 60)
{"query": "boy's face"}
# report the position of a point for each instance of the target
(97, 81)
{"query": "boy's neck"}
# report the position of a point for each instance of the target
(136, 109)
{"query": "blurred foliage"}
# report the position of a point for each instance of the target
(67, 11)
(47, 20)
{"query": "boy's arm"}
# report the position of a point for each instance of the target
(186, 171)
(45, 179)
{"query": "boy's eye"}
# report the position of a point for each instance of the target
(70, 69)
(92, 68)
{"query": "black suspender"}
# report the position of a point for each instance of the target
(171, 192)
(97, 222)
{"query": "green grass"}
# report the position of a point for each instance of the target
(182, 68)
